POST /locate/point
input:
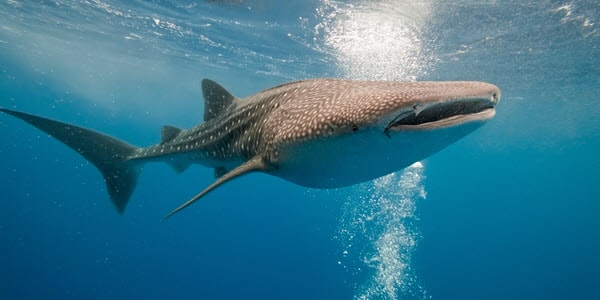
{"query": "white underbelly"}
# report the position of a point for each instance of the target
(360, 157)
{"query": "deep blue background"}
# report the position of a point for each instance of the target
(511, 211)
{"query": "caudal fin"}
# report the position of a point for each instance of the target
(108, 154)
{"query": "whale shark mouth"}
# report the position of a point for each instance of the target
(444, 114)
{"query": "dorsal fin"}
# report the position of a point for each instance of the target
(216, 98)
(168, 133)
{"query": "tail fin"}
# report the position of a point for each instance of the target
(108, 154)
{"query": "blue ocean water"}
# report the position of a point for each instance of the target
(509, 212)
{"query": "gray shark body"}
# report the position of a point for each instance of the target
(321, 133)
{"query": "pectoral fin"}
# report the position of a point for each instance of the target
(254, 164)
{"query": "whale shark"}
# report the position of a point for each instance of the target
(317, 133)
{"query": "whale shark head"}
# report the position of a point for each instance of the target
(338, 133)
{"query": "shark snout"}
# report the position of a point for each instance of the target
(496, 96)
(491, 92)
(476, 105)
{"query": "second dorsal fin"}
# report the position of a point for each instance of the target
(169, 133)
(216, 98)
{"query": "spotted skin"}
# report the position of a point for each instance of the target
(320, 133)
(299, 111)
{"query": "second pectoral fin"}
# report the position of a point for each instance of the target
(255, 164)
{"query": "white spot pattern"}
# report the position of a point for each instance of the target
(303, 110)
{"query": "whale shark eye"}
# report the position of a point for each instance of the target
(354, 128)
